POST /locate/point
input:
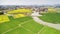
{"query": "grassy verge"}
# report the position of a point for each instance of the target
(51, 17)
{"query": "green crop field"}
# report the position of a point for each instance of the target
(25, 25)
(51, 17)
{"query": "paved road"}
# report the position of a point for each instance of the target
(38, 20)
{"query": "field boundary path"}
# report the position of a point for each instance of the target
(38, 20)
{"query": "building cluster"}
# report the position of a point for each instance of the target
(33, 8)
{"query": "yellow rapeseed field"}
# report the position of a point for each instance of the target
(3, 18)
(18, 11)
(52, 10)
(18, 15)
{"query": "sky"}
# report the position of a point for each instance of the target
(29, 2)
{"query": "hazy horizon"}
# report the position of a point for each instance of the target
(29, 2)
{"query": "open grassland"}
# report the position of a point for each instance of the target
(25, 25)
(51, 17)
